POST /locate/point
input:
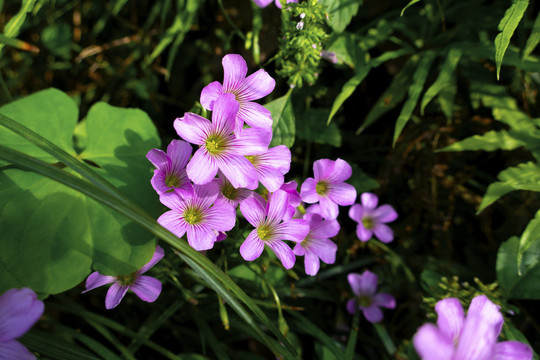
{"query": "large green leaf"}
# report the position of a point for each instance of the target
(283, 126)
(529, 238)
(341, 12)
(492, 140)
(519, 283)
(507, 26)
(533, 39)
(525, 176)
(60, 233)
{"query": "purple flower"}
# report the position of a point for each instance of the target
(328, 187)
(294, 199)
(270, 230)
(245, 90)
(317, 244)
(271, 167)
(330, 56)
(219, 148)
(265, 3)
(170, 173)
(197, 215)
(229, 194)
(367, 299)
(19, 311)
(456, 337)
(371, 218)
(145, 287)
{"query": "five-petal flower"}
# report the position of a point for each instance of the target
(170, 172)
(366, 298)
(371, 219)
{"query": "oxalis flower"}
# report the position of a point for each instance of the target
(456, 337)
(245, 90)
(371, 219)
(271, 167)
(219, 148)
(229, 194)
(269, 228)
(170, 173)
(145, 287)
(198, 215)
(328, 187)
(367, 299)
(317, 244)
(19, 311)
(265, 3)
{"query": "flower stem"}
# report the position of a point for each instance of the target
(392, 253)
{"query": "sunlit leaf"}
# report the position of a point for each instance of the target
(283, 127)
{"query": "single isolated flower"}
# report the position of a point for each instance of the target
(271, 167)
(265, 3)
(317, 244)
(219, 148)
(328, 187)
(19, 311)
(371, 219)
(145, 287)
(170, 173)
(244, 89)
(367, 299)
(269, 228)
(456, 337)
(198, 215)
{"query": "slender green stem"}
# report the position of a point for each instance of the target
(385, 338)
(392, 253)
(351, 344)
(229, 20)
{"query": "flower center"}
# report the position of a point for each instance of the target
(368, 222)
(214, 145)
(229, 191)
(127, 279)
(364, 301)
(253, 159)
(264, 232)
(193, 216)
(172, 180)
(321, 188)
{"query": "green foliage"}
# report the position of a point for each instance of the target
(341, 12)
(507, 26)
(283, 126)
(14, 25)
(61, 234)
(312, 126)
(533, 39)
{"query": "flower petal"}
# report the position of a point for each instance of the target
(237, 169)
(363, 285)
(322, 169)
(234, 72)
(147, 288)
(179, 152)
(431, 344)
(383, 233)
(356, 212)
(308, 191)
(324, 229)
(255, 115)
(271, 178)
(372, 313)
(256, 86)
(201, 237)
(352, 306)
(224, 113)
(369, 200)
(159, 253)
(158, 182)
(277, 207)
(193, 128)
(174, 222)
(210, 93)
(95, 280)
(341, 171)
(221, 217)
(13, 349)
(202, 168)
(512, 350)
(363, 233)
(205, 195)
(283, 252)
(262, 3)
(329, 209)
(294, 230)
(384, 214)
(477, 340)
(482, 306)
(311, 263)
(450, 318)
(19, 311)
(158, 158)
(385, 300)
(342, 193)
(252, 247)
(115, 294)
(325, 249)
(252, 141)
(254, 211)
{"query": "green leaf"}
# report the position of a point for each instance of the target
(392, 96)
(525, 176)
(283, 125)
(411, 3)
(490, 141)
(57, 39)
(530, 236)
(14, 24)
(533, 39)
(444, 79)
(312, 127)
(347, 90)
(507, 26)
(415, 89)
(345, 46)
(515, 284)
(341, 12)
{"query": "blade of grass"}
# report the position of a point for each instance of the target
(351, 344)
(385, 338)
(206, 331)
(54, 347)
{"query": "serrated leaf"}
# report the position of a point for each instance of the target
(525, 176)
(514, 284)
(533, 39)
(61, 234)
(341, 12)
(283, 125)
(444, 79)
(507, 26)
(415, 89)
(392, 96)
(348, 89)
(312, 127)
(490, 141)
